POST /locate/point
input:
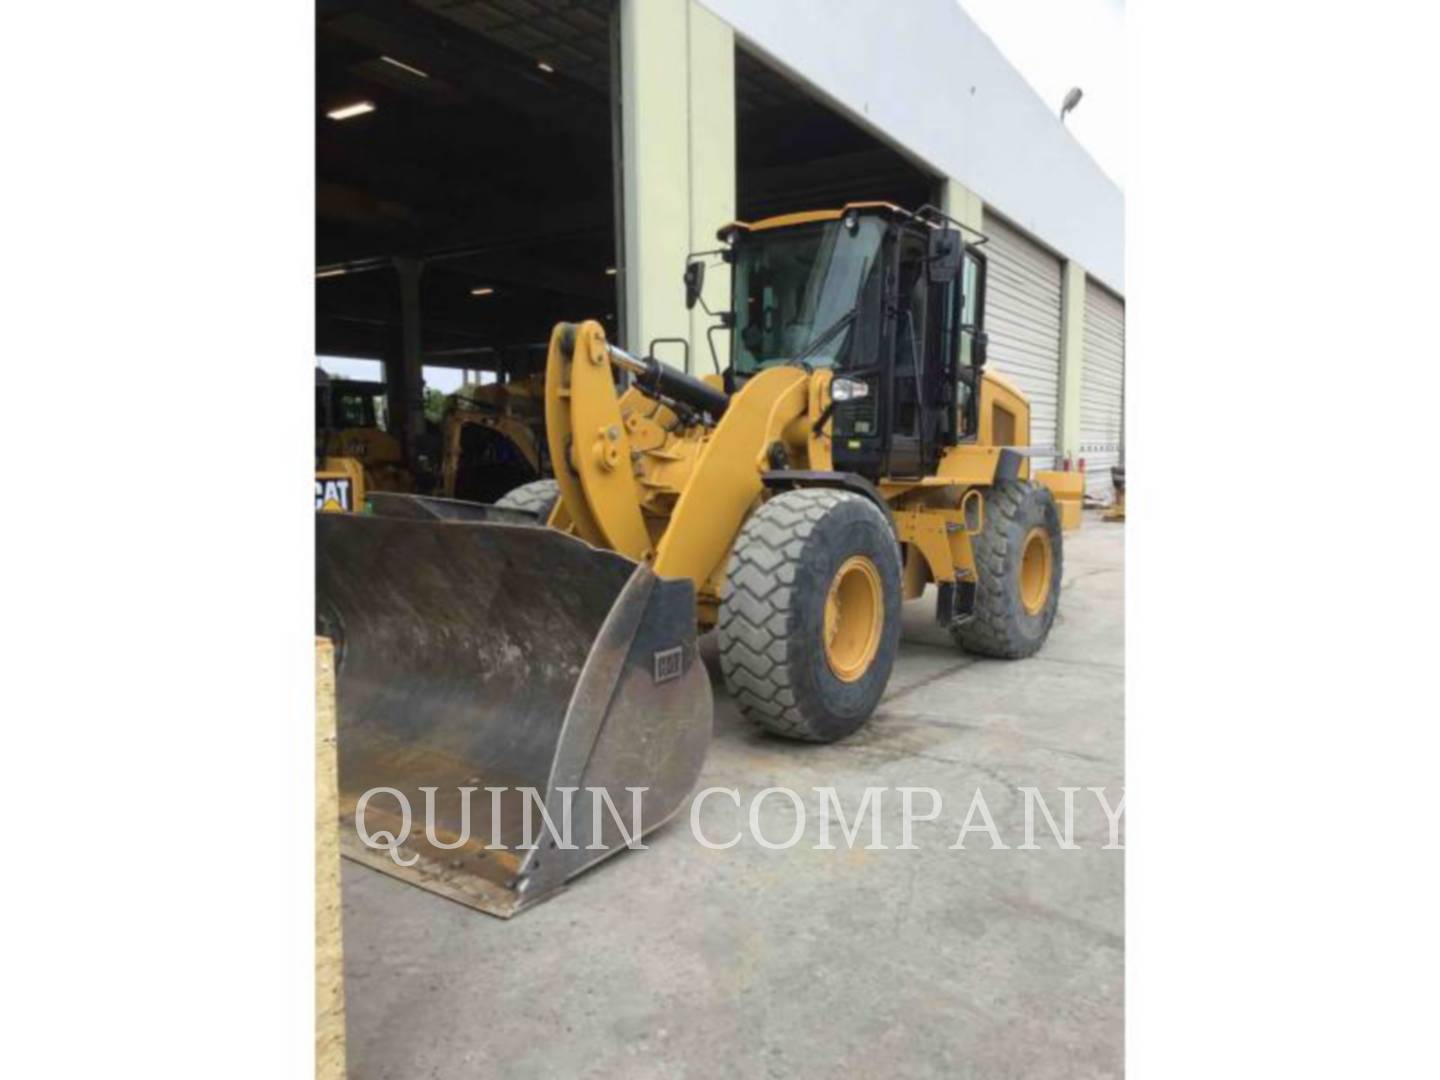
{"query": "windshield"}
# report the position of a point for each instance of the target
(792, 288)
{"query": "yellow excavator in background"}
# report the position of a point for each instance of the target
(855, 452)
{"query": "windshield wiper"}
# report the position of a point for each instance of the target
(829, 332)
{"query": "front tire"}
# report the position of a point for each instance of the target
(1019, 563)
(810, 613)
(537, 497)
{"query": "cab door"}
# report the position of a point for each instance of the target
(925, 392)
(911, 444)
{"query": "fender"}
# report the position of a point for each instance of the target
(789, 479)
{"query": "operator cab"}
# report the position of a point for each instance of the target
(891, 301)
(346, 403)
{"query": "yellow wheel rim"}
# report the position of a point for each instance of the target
(854, 614)
(1037, 562)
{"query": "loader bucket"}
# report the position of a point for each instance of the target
(488, 665)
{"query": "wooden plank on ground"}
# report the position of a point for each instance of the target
(329, 964)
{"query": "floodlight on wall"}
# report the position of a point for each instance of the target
(543, 66)
(345, 112)
(1071, 100)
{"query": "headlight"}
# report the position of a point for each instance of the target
(848, 390)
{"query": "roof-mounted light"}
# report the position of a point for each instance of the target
(346, 112)
(405, 67)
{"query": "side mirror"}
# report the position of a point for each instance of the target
(943, 259)
(694, 282)
(979, 349)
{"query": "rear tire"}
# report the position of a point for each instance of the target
(1018, 551)
(810, 613)
(537, 497)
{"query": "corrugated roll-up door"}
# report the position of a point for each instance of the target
(1022, 317)
(1102, 389)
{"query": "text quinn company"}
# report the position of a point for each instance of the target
(865, 827)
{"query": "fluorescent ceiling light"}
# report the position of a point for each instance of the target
(345, 112)
(405, 67)
(543, 66)
(484, 290)
(334, 271)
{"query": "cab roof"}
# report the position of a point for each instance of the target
(805, 217)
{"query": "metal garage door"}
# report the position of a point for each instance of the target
(1102, 388)
(1022, 317)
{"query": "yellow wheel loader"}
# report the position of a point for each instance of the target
(494, 439)
(543, 656)
(353, 454)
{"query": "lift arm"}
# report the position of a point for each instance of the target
(594, 459)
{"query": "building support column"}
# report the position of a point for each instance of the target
(677, 80)
(1072, 356)
(962, 204)
(405, 382)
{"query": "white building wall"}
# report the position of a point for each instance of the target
(923, 77)
(678, 132)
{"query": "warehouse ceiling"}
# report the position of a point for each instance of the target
(493, 167)
(488, 153)
(795, 152)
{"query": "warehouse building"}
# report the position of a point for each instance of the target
(489, 167)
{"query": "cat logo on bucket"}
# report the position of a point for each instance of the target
(335, 494)
(669, 664)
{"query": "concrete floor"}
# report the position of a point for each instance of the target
(685, 962)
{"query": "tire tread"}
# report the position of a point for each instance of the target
(993, 630)
(755, 608)
(536, 497)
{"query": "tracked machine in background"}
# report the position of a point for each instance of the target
(855, 452)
